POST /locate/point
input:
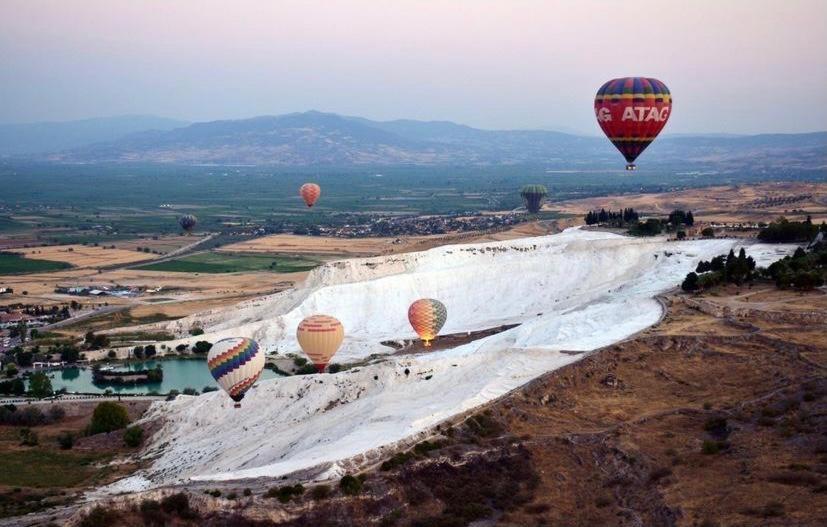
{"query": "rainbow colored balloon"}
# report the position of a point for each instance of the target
(235, 363)
(427, 316)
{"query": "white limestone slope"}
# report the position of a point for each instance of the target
(574, 291)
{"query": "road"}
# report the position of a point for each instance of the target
(80, 397)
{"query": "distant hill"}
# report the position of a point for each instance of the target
(326, 139)
(32, 138)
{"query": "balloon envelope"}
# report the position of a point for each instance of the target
(427, 316)
(533, 196)
(320, 337)
(310, 192)
(632, 111)
(235, 363)
(187, 222)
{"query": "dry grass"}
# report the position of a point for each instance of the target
(85, 257)
(731, 204)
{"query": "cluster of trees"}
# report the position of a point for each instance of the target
(617, 219)
(679, 217)
(721, 269)
(40, 386)
(804, 270)
(142, 352)
(29, 415)
(95, 342)
(785, 231)
(202, 346)
(650, 227)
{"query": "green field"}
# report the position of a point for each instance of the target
(40, 467)
(233, 263)
(11, 263)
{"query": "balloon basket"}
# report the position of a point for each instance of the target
(631, 166)
(237, 405)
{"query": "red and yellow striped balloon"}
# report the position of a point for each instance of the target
(427, 316)
(310, 192)
(320, 337)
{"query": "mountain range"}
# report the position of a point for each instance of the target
(326, 139)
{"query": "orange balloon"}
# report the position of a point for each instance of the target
(427, 316)
(320, 337)
(310, 192)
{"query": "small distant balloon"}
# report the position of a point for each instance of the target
(320, 337)
(533, 197)
(632, 111)
(187, 222)
(310, 192)
(235, 363)
(427, 316)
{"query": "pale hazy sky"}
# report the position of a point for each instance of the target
(741, 66)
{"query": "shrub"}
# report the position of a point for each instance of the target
(190, 391)
(285, 493)
(196, 331)
(100, 517)
(108, 416)
(177, 504)
(181, 347)
(28, 437)
(66, 440)
(56, 413)
(151, 513)
(713, 447)
(248, 492)
(133, 436)
(299, 361)
(112, 354)
(334, 368)
(320, 492)
(708, 232)
(172, 395)
(350, 485)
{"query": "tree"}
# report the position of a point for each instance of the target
(202, 346)
(40, 386)
(133, 436)
(108, 416)
(66, 440)
(690, 283)
(708, 232)
(69, 353)
(138, 351)
(149, 350)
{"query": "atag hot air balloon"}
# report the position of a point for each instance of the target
(533, 196)
(632, 111)
(320, 337)
(187, 222)
(427, 316)
(310, 192)
(236, 364)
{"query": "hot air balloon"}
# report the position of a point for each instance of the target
(310, 192)
(632, 111)
(533, 196)
(427, 316)
(235, 363)
(320, 336)
(187, 222)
